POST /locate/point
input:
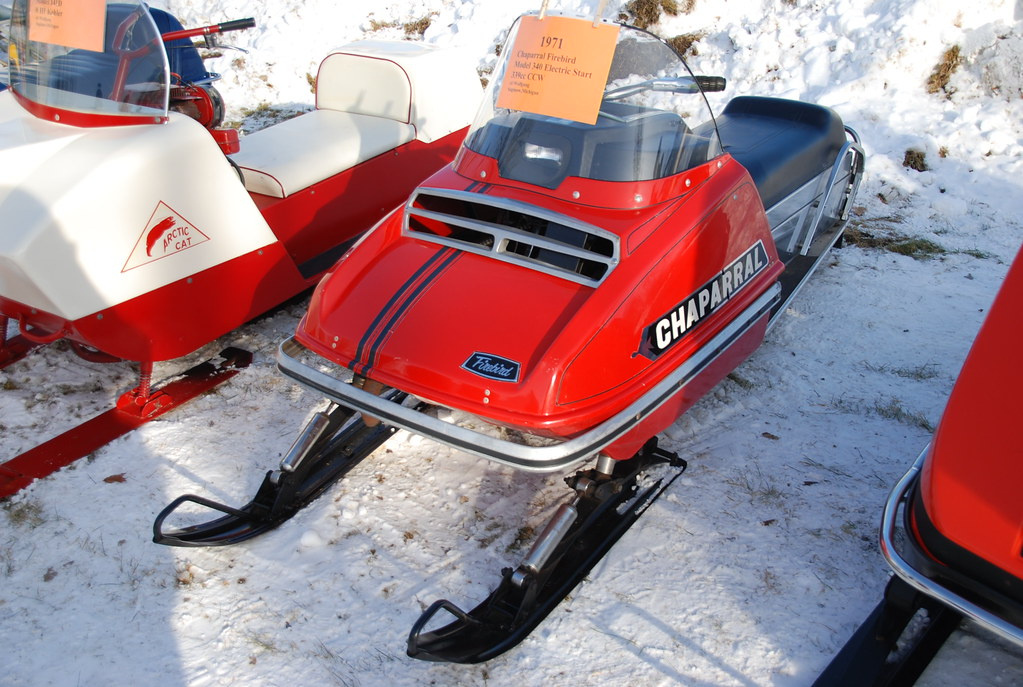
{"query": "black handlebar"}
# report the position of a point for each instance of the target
(237, 24)
(711, 83)
(207, 31)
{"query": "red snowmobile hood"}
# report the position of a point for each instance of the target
(457, 327)
(423, 303)
(970, 480)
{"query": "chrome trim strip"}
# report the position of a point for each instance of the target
(921, 582)
(530, 458)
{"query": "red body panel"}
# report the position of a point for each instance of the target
(663, 417)
(970, 482)
(180, 317)
(409, 312)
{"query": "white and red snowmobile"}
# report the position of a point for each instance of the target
(137, 230)
(600, 254)
(952, 528)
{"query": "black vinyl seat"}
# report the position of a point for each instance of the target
(781, 143)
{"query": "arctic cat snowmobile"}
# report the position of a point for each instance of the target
(136, 230)
(575, 280)
(959, 550)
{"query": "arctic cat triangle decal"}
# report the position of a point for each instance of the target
(165, 234)
(668, 329)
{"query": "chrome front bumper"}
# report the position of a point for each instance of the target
(560, 456)
(919, 581)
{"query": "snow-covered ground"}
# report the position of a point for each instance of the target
(752, 569)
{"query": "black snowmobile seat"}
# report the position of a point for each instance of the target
(781, 143)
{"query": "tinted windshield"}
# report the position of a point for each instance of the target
(88, 57)
(653, 122)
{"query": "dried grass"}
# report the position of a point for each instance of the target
(942, 74)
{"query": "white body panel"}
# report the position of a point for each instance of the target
(80, 204)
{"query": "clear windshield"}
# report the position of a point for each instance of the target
(653, 122)
(88, 57)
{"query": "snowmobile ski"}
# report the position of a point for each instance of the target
(577, 537)
(332, 443)
(133, 409)
(883, 652)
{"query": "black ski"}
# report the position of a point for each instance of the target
(883, 652)
(341, 441)
(606, 508)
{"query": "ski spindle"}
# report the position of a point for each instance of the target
(544, 546)
(145, 386)
(605, 464)
(12, 347)
(307, 438)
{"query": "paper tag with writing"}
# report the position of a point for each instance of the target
(558, 67)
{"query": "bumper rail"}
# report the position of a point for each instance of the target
(921, 582)
(529, 458)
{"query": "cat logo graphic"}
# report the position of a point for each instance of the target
(166, 233)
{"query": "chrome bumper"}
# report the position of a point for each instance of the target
(557, 457)
(921, 582)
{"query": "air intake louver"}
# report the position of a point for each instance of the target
(514, 232)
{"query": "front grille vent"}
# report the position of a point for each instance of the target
(514, 232)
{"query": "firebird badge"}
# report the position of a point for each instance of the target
(492, 367)
(670, 327)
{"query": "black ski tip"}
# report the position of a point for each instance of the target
(281, 495)
(236, 525)
(469, 639)
(436, 645)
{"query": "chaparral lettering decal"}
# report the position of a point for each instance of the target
(165, 234)
(493, 367)
(695, 308)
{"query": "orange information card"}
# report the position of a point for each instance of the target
(71, 23)
(558, 67)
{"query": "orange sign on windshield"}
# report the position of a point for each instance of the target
(70, 23)
(558, 67)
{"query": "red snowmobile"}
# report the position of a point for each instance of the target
(128, 232)
(959, 550)
(576, 279)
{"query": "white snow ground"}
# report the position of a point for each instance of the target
(755, 566)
